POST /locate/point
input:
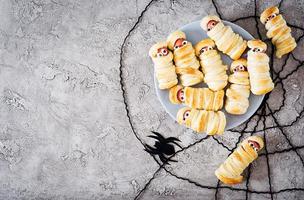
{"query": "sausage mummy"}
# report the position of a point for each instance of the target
(163, 65)
(199, 98)
(225, 39)
(258, 68)
(210, 122)
(230, 171)
(238, 92)
(185, 60)
(212, 65)
(278, 31)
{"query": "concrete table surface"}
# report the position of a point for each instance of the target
(64, 128)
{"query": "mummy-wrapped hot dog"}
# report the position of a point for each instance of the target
(212, 65)
(258, 68)
(278, 30)
(163, 65)
(185, 60)
(210, 122)
(230, 171)
(225, 39)
(238, 92)
(199, 98)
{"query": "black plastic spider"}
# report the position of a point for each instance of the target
(163, 148)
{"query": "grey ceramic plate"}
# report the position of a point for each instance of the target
(194, 35)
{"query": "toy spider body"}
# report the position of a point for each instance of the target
(163, 147)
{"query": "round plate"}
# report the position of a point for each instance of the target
(195, 34)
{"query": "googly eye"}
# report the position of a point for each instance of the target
(208, 29)
(256, 149)
(159, 54)
(182, 98)
(176, 47)
(241, 67)
(185, 42)
(251, 145)
(213, 23)
(234, 70)
(164, 51)
(187, 114)
(209, 48)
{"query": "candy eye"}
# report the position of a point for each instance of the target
(165, 52)
(159, 54)
(176, 47)
(235, 70)
(186, 115)
(209, 48)
(241, 68)
(251, 144)
(185, 42)
(213, 23)
(202, 50)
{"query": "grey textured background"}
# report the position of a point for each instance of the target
(64, 133)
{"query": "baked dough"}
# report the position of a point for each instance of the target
(199, 98)
(258, 68)
(212, 65)
(230, 171)
(238, 92)
(187, 65)
(210, 122)
(225, 39)
(278, 30)
(163, 65)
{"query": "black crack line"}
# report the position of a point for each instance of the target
(221, 143)
(267, 160)
(283, 151)
(147, 184)
(217, 189)
(232, 188)
(247, 181)
(217, 10)
(283, 132)
(280, 4)
(256, 20)
(122, 84)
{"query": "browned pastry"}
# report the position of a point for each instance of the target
(230, 171)
(187, 65)
(238, 92)
(210, 122)
(225, 39)
(163, 65)
(278, 31)
(199, 98)
(258, 68)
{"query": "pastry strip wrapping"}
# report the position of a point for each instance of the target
(224, 37)
(198, 98)
(278, 31)
(238, 92)
(209, 122)
(212, 65)
(163, 65)
(258, 68)
(230, 171)
(187, 65)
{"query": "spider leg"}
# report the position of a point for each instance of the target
(160, 137)
(155, 137)
(150, 149)
(176, 144)
(163, 159)
(170, 139)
